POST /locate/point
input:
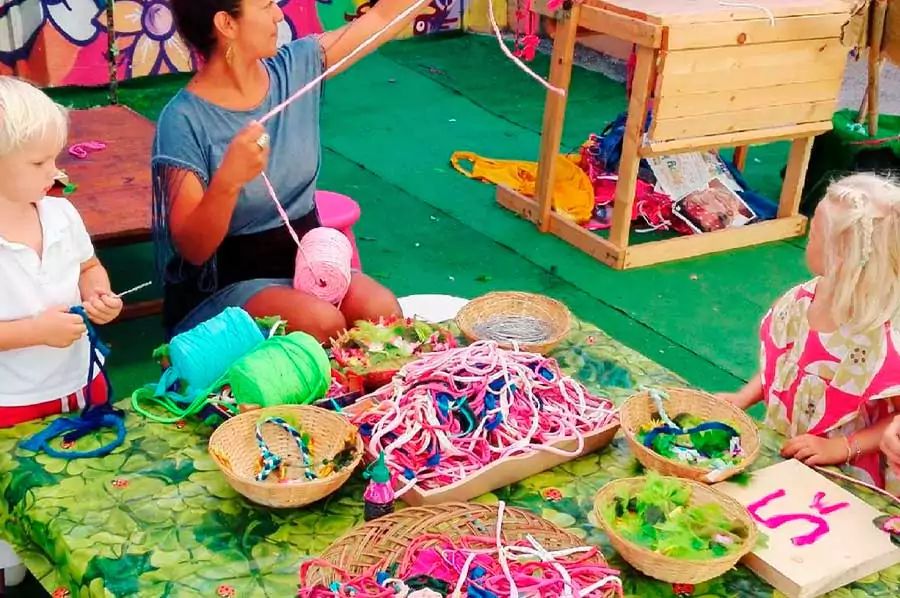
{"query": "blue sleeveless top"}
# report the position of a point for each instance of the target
(193, 134)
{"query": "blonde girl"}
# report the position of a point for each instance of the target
(829, 361)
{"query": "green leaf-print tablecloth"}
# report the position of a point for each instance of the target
(157, 519)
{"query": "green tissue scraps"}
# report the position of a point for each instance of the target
(717, 448)
(659, 517)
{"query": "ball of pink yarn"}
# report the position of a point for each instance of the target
(323, 264)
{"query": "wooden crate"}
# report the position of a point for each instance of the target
(716, 76)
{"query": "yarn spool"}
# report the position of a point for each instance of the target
(323, 264)
(283, 370)
(204, 353)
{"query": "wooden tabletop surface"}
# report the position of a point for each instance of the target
(113, 192)
(696, 11)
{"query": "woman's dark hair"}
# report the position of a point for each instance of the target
(194, 19)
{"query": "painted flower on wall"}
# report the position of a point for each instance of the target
(21, 22)
(147, 40)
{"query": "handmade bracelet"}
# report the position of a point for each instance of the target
(270, 462)
(857, 449)
(849, 450)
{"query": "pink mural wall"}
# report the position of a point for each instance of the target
(65, 42)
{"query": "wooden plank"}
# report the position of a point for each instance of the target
(879, 12)
(746, 120)
(555, 113)
(693, 104)
(794, 55)
(820, 536)
(629, 161)
(795, 177)
(577, 236)
(141, 309)
(657, 252)
(113, 192)
(751, 78)
(696, 144)
(754, 31)
(703, 11)
(602, 21)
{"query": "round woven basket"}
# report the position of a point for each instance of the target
(234, 448)
(639, 409)
(666, 568)
(553, 316)
(382, 542)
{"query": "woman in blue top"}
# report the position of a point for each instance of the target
(220, 241)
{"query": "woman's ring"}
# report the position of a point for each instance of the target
(263, 141)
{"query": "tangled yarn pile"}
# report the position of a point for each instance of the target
(475, 566)
(449, 414)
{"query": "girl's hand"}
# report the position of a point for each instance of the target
(102, 308)
(57, 327)
(890, 444)
(813, 450)
(734, 398)
(246, 156)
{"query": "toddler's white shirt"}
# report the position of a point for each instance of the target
(29, 285)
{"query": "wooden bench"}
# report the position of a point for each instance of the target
(113, 190)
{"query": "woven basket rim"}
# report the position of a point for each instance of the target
(268, 485)
(418, 520)
(604, 494)
(744, 420)
(563, 315)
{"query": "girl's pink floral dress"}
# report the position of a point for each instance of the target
(828, 384)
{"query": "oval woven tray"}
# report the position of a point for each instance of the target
(639, 409)
(381, 542)
(234, 448)
(505, 308)
(666, 568)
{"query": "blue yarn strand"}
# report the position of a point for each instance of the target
(92, 417)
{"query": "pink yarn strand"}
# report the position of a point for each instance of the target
(522, 66)
(337, 65)
(280, 208)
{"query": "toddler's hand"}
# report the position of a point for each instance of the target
(102, 308)
(813, 450)
(58, 328)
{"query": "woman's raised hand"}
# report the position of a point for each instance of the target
(246, 156)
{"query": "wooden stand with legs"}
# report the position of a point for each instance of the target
(715, 76)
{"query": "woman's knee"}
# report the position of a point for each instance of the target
(301, 312)
(369, 300)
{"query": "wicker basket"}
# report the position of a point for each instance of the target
(666, 568)
(639, 409)
(552, 313)
(234, 449)
(382, 542)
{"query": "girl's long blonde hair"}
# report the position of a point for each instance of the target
(861, 246)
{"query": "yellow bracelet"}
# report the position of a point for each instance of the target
(849, 451)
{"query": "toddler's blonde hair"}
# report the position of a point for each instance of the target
(861, 246)
(27, 114)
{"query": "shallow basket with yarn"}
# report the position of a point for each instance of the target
(639, 409)
(234, 448)
(484, 318)
(383, 541)
(666, 568)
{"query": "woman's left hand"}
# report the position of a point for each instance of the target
(813, 450)
(102, 308)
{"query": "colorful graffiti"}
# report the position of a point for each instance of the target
(66, 42)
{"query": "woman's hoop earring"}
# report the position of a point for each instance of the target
(229, 55)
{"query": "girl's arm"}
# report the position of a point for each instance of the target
(338, 43)
(748, 396)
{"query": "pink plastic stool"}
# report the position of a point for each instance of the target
(340, 212)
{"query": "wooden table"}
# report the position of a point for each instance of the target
(715, 76)
(113, 190)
